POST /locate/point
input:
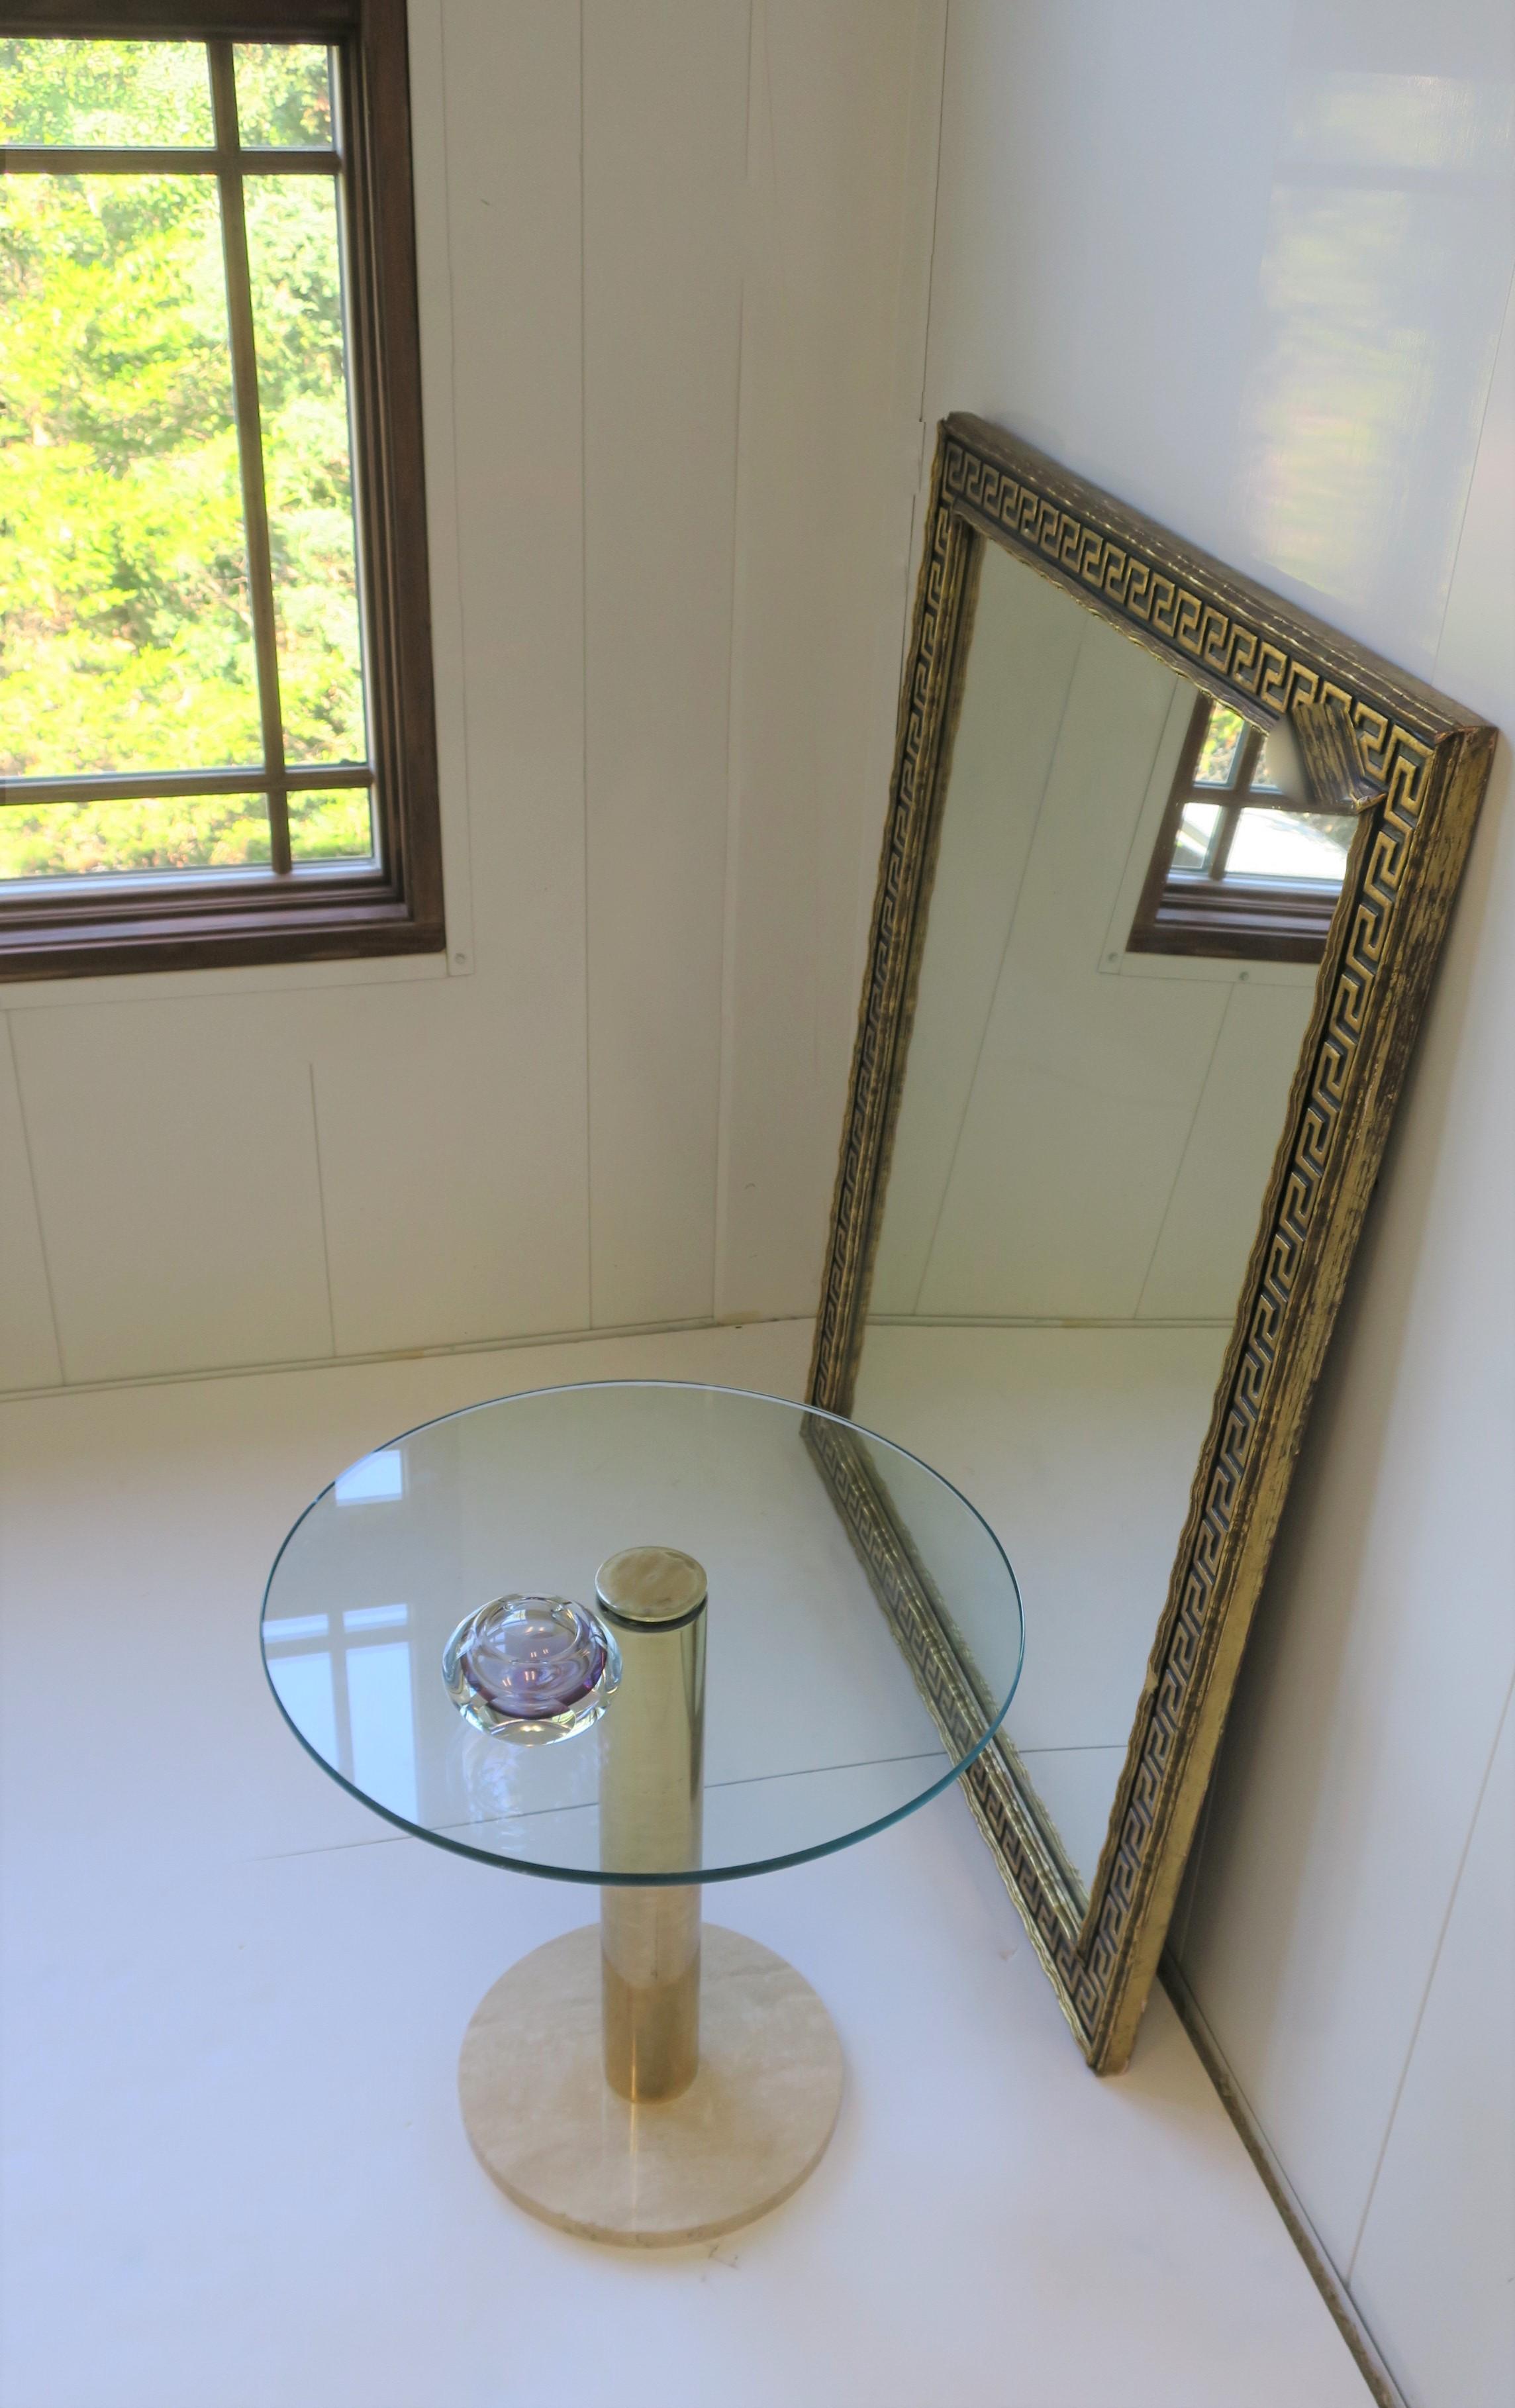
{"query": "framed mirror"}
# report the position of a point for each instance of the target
(1164, 874)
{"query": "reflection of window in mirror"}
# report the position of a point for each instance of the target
(1242, 866)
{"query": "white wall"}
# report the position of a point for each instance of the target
(1249, 267)
(673, 259)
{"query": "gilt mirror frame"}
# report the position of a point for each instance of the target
(1413, 767)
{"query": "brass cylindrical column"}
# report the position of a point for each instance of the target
(650, 1795)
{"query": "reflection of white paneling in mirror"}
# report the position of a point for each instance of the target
(1084, 1090)
(1077, 1168)
(28, 1326)
(1211, 1217)
(1069, 1145)
(1002, 758)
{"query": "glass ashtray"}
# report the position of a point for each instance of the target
(531, 1669)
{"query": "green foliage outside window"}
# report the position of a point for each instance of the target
(126, 629)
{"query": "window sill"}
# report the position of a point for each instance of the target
(1232, 925)
(201, 932)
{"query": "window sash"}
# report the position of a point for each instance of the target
(1197, 911)
(110, 922)
(42, 159)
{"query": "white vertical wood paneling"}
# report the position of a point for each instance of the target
(511, 176)
(1368, 1707)
(451, 1167)
(1211, 1216)
(453, 1119)
(1365, 1716)
(664, 136)
(917, 435)
(1440, 2228)
(28, 1341)
(174, 1156)
(841, 163)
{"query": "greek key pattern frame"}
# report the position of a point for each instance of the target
(1430, 759)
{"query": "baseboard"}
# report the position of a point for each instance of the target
(509, 1345)
(1332, 2290)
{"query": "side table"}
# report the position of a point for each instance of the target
(619, 1635)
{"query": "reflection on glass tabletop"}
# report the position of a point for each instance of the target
(816, 1733)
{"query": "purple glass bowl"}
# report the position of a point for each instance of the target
(531, 1669)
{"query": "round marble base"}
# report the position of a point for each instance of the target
(753, 2124)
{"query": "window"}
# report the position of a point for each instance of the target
(216, 723)
(1241, 867)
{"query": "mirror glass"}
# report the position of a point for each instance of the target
(1130, 898)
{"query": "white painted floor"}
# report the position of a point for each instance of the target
(234, 2175)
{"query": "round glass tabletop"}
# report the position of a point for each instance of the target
(816, 1728)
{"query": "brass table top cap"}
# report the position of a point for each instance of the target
(651, 1584)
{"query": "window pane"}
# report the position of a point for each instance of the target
(125, 641)
(119, 94)
(1290, 846)
(283, 95)
(1222, 743)
(302, 390)
(331, 827)
(1196, 830)
(196, 832)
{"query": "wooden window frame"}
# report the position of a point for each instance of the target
(1196, 912)
(316, 914)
